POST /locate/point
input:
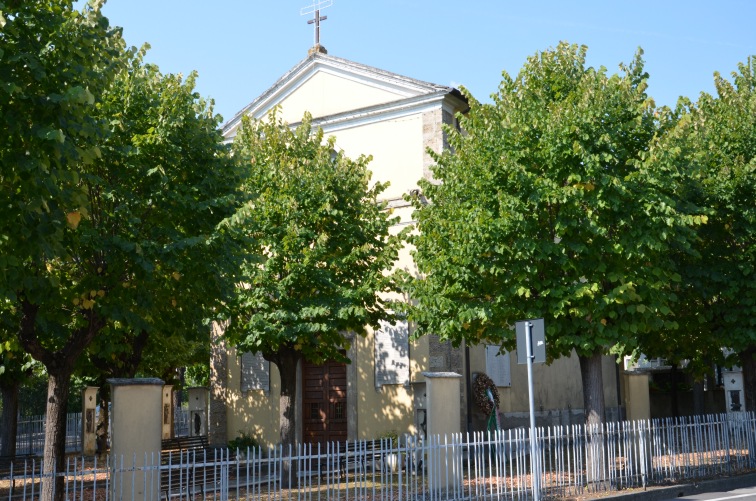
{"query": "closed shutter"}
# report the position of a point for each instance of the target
(497, 366)
(255, 372)
(392, 354)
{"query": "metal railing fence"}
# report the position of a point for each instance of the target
(571, 461)
(30, 434)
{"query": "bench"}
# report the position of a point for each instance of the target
(361, 453)
(188, 466)
(183, 443)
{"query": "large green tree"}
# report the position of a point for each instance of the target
(715, 140)
(53, 62)
(544, 207)
(116, 180)
(320, 254)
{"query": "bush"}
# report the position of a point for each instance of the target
(244, 441)
(391, 435)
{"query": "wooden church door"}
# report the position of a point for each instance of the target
(324, 400)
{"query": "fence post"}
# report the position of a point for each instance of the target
(137, 425)
(89, 418)
(168, 431)
(443, 420)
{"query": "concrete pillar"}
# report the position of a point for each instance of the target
(136, 431)
(442, 391)
(733, 386)
(637, 400)
(167, 411)
(89, 420)
(198, 399)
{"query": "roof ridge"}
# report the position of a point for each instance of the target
(316, 57)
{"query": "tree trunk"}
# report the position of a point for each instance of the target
(9, 421)
(595, 413)
(59, 365)
(58, 386)
(287, 366)
(593, 388)
(748, 364)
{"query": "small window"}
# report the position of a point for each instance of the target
(392, 354)
(498, 366)
(338, 410)
(255, 372)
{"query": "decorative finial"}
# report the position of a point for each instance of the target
(315, 9)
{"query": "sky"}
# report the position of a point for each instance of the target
(241, 47)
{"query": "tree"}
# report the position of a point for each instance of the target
(320, 256)
(118, 185)
(716, 141)
(54, 62)
(544, 207)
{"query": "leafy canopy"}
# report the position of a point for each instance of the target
(321, 246)
(714, 142)
(545, 207)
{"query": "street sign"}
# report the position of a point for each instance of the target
(538, 336)
(531, 348)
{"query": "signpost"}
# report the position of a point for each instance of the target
(531, 347)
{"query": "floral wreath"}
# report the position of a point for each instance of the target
(484, 390)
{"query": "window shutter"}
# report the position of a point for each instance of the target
(497, 366)
(392, 353)
(255, 372)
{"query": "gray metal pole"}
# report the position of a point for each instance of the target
(535, 472)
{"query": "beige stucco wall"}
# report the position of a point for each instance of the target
(556, 386)
(390, 407)
(253, 412)
(379, 410)
(326, 94)
(396, 147)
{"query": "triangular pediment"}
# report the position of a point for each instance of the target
(327, 86)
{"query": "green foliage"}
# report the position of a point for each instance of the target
(53, 62)
(714, 145)
(118, 180)
(546, 207)
(156, 199)
(720, 141)
(320, 246)
(391, 437)
(198, 374)
(244, 441)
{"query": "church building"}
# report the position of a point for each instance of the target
(396, 119)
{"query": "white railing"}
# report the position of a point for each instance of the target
(572, 461)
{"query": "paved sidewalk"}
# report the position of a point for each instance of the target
(674, 491)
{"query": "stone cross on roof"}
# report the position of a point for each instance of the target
(315, 9)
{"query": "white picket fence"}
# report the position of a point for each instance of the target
(571, 461)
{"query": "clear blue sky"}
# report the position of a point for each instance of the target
(241, 47)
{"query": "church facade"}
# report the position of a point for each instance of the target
(396, 119)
